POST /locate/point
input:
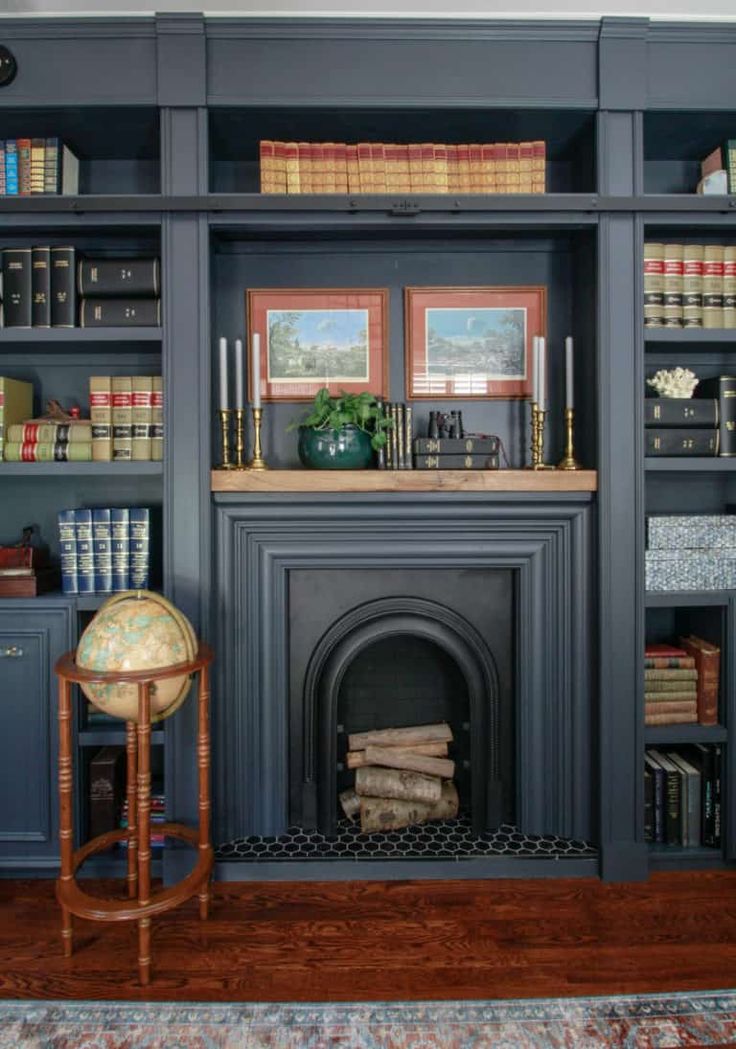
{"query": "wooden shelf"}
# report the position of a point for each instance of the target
(86, 469)
(690, 336)
(690, 464)
(64, 336)
(404, 481)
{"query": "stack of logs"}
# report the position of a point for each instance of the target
(402, 776)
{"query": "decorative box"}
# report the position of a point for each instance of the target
(691, 532)
(713, 569)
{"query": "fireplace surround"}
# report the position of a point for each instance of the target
(527, 694)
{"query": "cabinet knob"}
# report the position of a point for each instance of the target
(11, 652)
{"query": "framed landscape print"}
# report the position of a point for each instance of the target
(315, 337)
(472, 343)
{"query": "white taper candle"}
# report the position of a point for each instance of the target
(569, 382)
(239, 398)
(256, 372)
(223, 374)
(535, 369)
(542, 378)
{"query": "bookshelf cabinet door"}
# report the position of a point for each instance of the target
(30, 643)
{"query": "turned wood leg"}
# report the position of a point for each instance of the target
(131, 744)
(203, 756)
(66, 823)
(144, 828)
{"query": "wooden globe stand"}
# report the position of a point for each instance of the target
(138, 790)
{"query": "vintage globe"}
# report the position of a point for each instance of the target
(137, 630)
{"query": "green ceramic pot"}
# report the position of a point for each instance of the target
(348, 448)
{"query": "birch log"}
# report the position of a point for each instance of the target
(382, 814)
(350, 803)
(355, 759)
(397, 737)
(396, 758)
(397, 783)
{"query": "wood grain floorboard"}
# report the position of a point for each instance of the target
(348, 941)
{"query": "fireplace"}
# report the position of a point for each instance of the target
(347, 613)
(412, 648)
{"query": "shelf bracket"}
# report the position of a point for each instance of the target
(405, 207)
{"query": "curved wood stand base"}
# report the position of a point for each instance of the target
(141, 904)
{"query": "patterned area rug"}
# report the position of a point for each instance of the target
(631, 1021)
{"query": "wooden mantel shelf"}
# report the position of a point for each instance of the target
(404, 481)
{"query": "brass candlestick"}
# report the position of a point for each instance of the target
(568, 461)
(239, 438)
(257, 462)
(533, 437)
(538, 462)
(224, 414)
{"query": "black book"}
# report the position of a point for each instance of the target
(688, 441)
(648, 805)
(723, 388)
(41, 287)
(106, 789)
(124, 313)
(657, 773)
(457, 445)
(456, 462)
(63, 288)
(672, 798)
(17, 311)
(108, 278)
(680, 411)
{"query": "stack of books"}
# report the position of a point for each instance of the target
(126, 413)
(456, 453)
(105, 550)
(49, 442)
(682, 796)
(670, 686)
(397, 453)
(390, 167)
(36, 166)
(681, 426)
(689, 285)
(121, 292)
(158, 816)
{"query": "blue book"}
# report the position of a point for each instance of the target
(68, 551)
(11, 167)
(140, 547)
(102, 549)
(85, 551)
(120, 541)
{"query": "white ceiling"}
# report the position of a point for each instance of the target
(666, 9)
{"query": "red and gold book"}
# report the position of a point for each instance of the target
(463, 167)
(526, 167)
(489, 172)
(512, 167)
(476, 167)
(24, 167)
(351, 157)
(539, 166)
(279, 168)
(428, 167)
(453, 184)
(305, 167)
(403, 177)
(392, 167)
(708, 665)
(416, 174)
(365, 168)
(292, 167)
(341, 168)
(267, 161)
(328, 153)
(440, 168)
(378, 164)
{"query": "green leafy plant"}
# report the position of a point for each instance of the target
(349, 409)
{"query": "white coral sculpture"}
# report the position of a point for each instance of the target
(674, 382)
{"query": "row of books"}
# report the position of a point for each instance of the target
(127, 418)
(702, 425)
(403, 451)
(105, 550)
(689, 285)
(682, 795)
(41, 286)
(682, 682)
(158, 816)
(691, 551)
(36, 166)
(722, 158)
(391, 167)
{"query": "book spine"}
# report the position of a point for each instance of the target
(456, 445)
(708, 664)
(670, 675)
(68, 552)
(680, 411)
(141, 414)
(38, 159)
(51, 181)
(3, 190)
(657, 773)
(440, 168)
(108, 278)
(24, 167)
(729, 163)
(713, 286)
(17, 301)
(266, 157)
(122, 417)
(11, 167)
(653, 285)
(341, 168)
(120, 528)
(100, 413)
(48, 452)
(85, 551)
(673, 272)
(351, 157)
(45, 433)
(669, 662)
(140, 547)
(292, 168)
(729, 286)
(675, 718)
(105, 790)
(157, 419)
(63, 288)
(648, 806)
(688, 442)
(456, 462)
(102, 550)
(408, 436)
(400, 434)
(125, 313)
(692, 286)
(41, 287)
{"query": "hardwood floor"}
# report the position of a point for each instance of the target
(347, 941)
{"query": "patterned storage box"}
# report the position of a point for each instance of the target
(690, 569)
(691, 531)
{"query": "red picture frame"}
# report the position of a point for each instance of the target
(472, 343)
(316, 337)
